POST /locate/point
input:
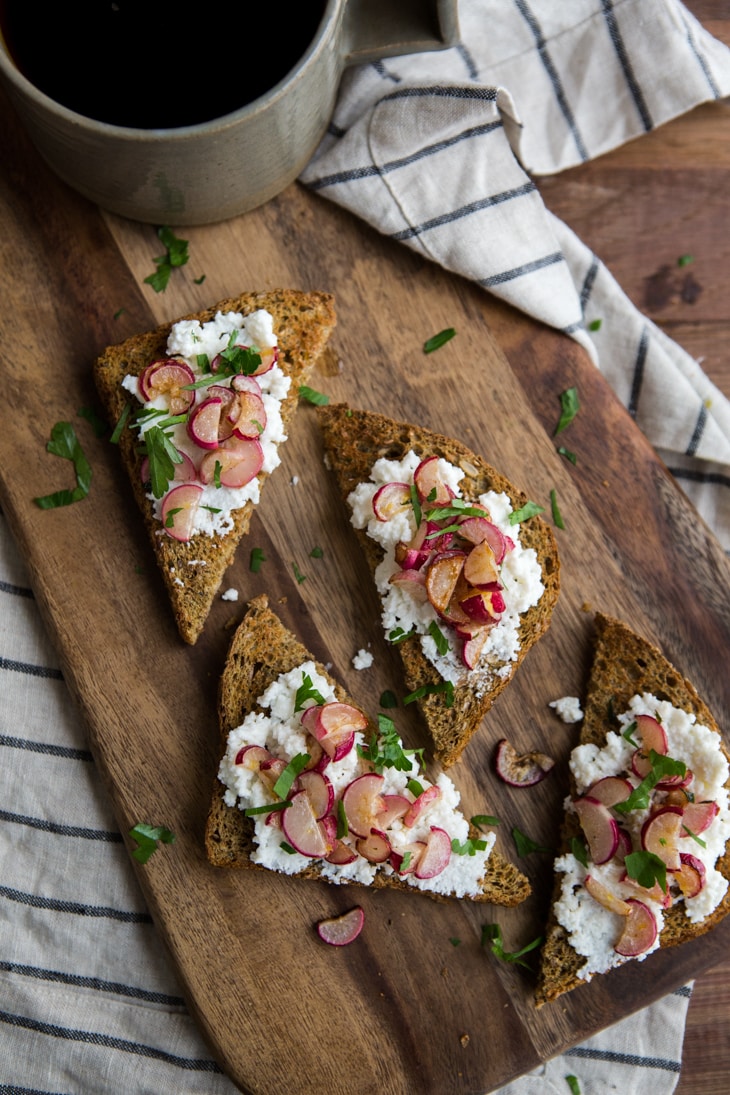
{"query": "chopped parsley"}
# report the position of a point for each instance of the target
(64, 443)
(492, 935)
(398, 635)
(176, 254)
(569, 407)
(445, 687)
(97, 424)
(256, 558)
(319, 399)
(468, 846)
(267, 808)
(148, 838)
(297, 764)
(316, 553)
(628, 734)
(646, 868)
(307, 691)
(525, 845)
(442, 643)
(572, 1082)
(484, 819)
(579, 850)
(298, 574)
(595, 325)
(439, 340)
(557, 515)
(685, 260)
(388, 699)
(385, 750)
(661, 766)
(562, 451)
(530, 509)
(162, 456)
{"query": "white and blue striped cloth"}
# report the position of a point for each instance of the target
(88, 1002)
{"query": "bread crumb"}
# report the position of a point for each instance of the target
(464, 1039)
(230, 595)
(363, 659)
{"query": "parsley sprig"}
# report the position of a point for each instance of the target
(661, 766)
(176, 254)
(64, 443)
(492, 935)
(385, 749)
(148, 838)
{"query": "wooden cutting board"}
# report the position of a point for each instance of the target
(417, 1004)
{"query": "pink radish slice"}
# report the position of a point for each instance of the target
(480, 568)
(338, 931)
(269, 356)
(203, 423)
(521, 769)
(395, 807)
(606, 897)
(660, 834)
(479, 529)
(319, 790)
(341, 854)
(442, 576)
(599, 826)
(253, 756)
(390, 500)
(610, 789)
(413, 851)
(640, 930)
(424, 800)
(250, 415)
(375, 847)
(698, 816)
(302, 829)
(168, 377)
(334, 726)
(185, 471)
(238, 463)
(431, 488)
(363, 802)
(179, 509)
(690, 876)
(436, 854)
(473, 648)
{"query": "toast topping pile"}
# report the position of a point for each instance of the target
(454, 571)
(210, 420)
(654, 817)
(321, 786)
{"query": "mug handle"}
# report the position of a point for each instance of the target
(381, 28)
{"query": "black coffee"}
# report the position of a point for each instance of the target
(156, 64)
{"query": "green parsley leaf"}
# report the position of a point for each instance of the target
(445, 687)
(572, 1082)
(175, 255)
(439, 340)
(484, 819)
(628, 734)
(307, 691)
(454, 941)
(343, 827)
(646, 868)
(661, 766)
(297, 764)
(316, 553)
(579, 850)
(595, 325)
(386, 749)
(685, 260)
(256, 558)
(64, 443)
(200, 280)
(569, 407)
(267, 808)
(468, 847)
(147, 838)
(171, 514)
(530, 509)
(286, 847)
(557, 515)
(319, 399)
(298, 574)
(162, 456)
(119, 312)
(525, 845)
(415, 787)
(416, 504)
(562, 451)
(388, 699)
(492, 934)
(398, 635)
(702, 843)
(121, 423)
(442, 643)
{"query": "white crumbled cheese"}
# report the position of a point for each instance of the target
(567, 708)
(230, 595)
(294, 480)
(275, 725)
(593, 930)
(362, 660)
(187, 339)
(520, 573)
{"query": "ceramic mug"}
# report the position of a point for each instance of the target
(189, 174)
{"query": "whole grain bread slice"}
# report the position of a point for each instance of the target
(624, 665)
(354, 440)
(261, 650)
(192, 571)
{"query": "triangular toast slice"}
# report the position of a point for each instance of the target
(453, 696)
(262, 652)
(636, 698)
(193, 568)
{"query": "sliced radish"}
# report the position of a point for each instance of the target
(429, 483)
(375, 847)
(341, 854)
(406, 859)
(338, 931)
(302, 829)
(426, 799)
(521, 769)
(479, 529)
(640, 930)
(610, 789)
(179, 510)
(204, 421)
(655, 892)
(390, 500)
(691, 874)
(319, 790)
(269, 356)
(237, 462)
(436, 854)
(395, 807)
(698, 816)
(252, 757)
(599, 826)
(168, 377)
(480, 568)
(270, 770)
(363, 802)
(334, 725)
(606, 897)
(411, 581)
(442, 576)
(473, 648)
(660, 835)
(248, 415)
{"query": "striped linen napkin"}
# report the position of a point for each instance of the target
(89, 1002)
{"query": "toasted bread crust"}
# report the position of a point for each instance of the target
(624, 665)
(260, 651)
(193, 571)
(353, 441)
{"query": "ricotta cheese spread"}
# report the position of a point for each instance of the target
(198, 345)
(276, 725)
(520, 575)
(592, 928)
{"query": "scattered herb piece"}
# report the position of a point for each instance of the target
(162, 456)
(386, 750)
(307, 691)
(119, 312)
(121, 423)
(267, 808)
(200, 280)
(415, 787)
(467, 847)
(256, 559)
(492, 934)
(175, 255)
(286, 847)
(562, 451)
(298, 574)
(484, 819)
(595, 325)
(579, 850)
(316, 553)
(446, 687)
(525, 845)
(646, 868)
(572, 1082)
(530, 509)
(388, 699)
(298, 762)
(685, 260)
(313, 396)
(343, 827)
(454, 941)
(147, 838)
(702, 843)
(442, 643)
(64, 443)
(97, 423)
(439, 340)
(557, 515)
(628, 734)
(398, 635)
(416, 504)
(660, 766)
(569, 408)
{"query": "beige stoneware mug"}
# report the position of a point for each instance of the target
(186, 174)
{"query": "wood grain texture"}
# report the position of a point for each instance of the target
(445, 1018)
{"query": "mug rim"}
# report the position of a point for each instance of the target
(214, 125)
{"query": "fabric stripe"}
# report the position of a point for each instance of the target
(59, 829)
(95, 983)
(465, 211)
(588, 283)
(638, 375)
(699, 429)
(94, 1038)
(520, 271)
(66, 751)
(76, 908)
(552, 72)
(17, 591)
(693, 476)
(469, 62)
(485, 94)
(31, 670)
(716, 93)
(635, 1060)
(621, 53)
(382, 71)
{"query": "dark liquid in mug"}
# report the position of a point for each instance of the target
(148, 63)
